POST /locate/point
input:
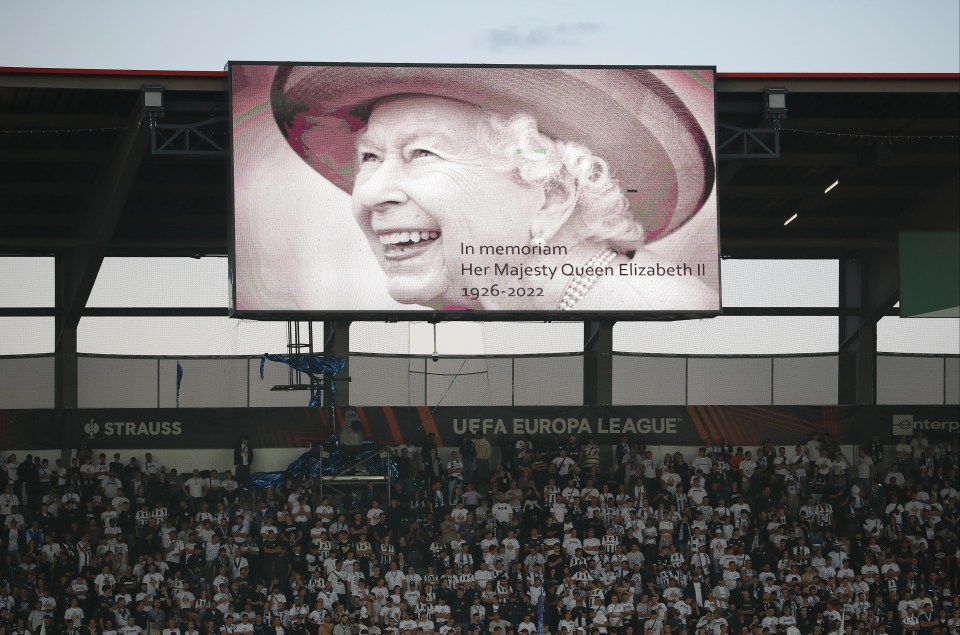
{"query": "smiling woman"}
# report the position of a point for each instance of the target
(508, 189)
(450, 185)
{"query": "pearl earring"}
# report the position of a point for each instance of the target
(537, 241)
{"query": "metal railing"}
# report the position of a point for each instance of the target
(106, 381)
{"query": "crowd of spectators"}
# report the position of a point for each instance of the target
(553, 536)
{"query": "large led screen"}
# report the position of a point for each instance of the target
(473, 191)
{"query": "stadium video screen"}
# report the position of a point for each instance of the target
(473, 192)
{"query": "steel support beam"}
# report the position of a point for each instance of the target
(76, 269)
(907, 193)
(214, 311)
(99, 221)
(854, 387)
(336, 343)
(838, 83)
(872, 285)
(205, 138)
(869, 287)
(205, 81)
(597, 363)
(65, 349)
(734, 142)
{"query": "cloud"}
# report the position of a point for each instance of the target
(556, 35)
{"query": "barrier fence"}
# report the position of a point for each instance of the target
(106, 381)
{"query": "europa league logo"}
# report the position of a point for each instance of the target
(91, 428)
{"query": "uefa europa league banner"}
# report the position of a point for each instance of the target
(301, 427)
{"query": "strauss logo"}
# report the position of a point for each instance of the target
(91, 428)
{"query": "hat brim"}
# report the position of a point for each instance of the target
(651, 141)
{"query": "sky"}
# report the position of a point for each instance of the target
(864, 36)
(735, 35)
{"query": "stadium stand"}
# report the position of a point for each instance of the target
(729, 540)
(502, 536)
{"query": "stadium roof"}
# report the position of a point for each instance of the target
(78, 173)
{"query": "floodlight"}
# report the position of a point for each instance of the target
(776, 103)
(152, 101)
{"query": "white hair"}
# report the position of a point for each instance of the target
(601, 211)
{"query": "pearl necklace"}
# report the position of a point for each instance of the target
(580, 285)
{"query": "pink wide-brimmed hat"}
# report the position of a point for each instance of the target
(652, 142)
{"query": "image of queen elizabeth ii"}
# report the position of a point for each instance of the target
(511, 189)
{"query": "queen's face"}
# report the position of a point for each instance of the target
(427, 188)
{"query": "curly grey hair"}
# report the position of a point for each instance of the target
(601, 212)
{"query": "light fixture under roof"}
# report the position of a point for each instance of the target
(776, 100)
(776, 104)
(152, 99)
(790, 220)
(832, 185)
